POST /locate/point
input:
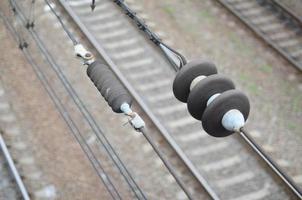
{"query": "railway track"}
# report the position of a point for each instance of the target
(226, 168)
(274, 23)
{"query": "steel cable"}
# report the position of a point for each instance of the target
(289, 182)
(166, 163)
(69, 34)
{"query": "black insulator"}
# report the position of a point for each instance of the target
(184, 78)
(203, 90)
(108, 85)
(214, 112)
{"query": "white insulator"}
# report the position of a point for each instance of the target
(195, 81)
(211, 99)
(233, 120)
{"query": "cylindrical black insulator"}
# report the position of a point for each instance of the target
(108, 85)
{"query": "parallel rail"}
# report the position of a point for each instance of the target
(274, 23)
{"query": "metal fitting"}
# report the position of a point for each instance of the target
(86, 56)
(135, 120)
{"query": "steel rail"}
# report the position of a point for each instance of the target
(262, 36)
(286, 10)
(183, 157)
(13, 169)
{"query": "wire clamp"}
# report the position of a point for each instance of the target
(23, 45)
(87, 56)
(30, 25)
(135, 120)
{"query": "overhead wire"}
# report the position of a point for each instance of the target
(96, 129)
(69, 34)
(158, 151)
(19, 34)
(267, 159)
